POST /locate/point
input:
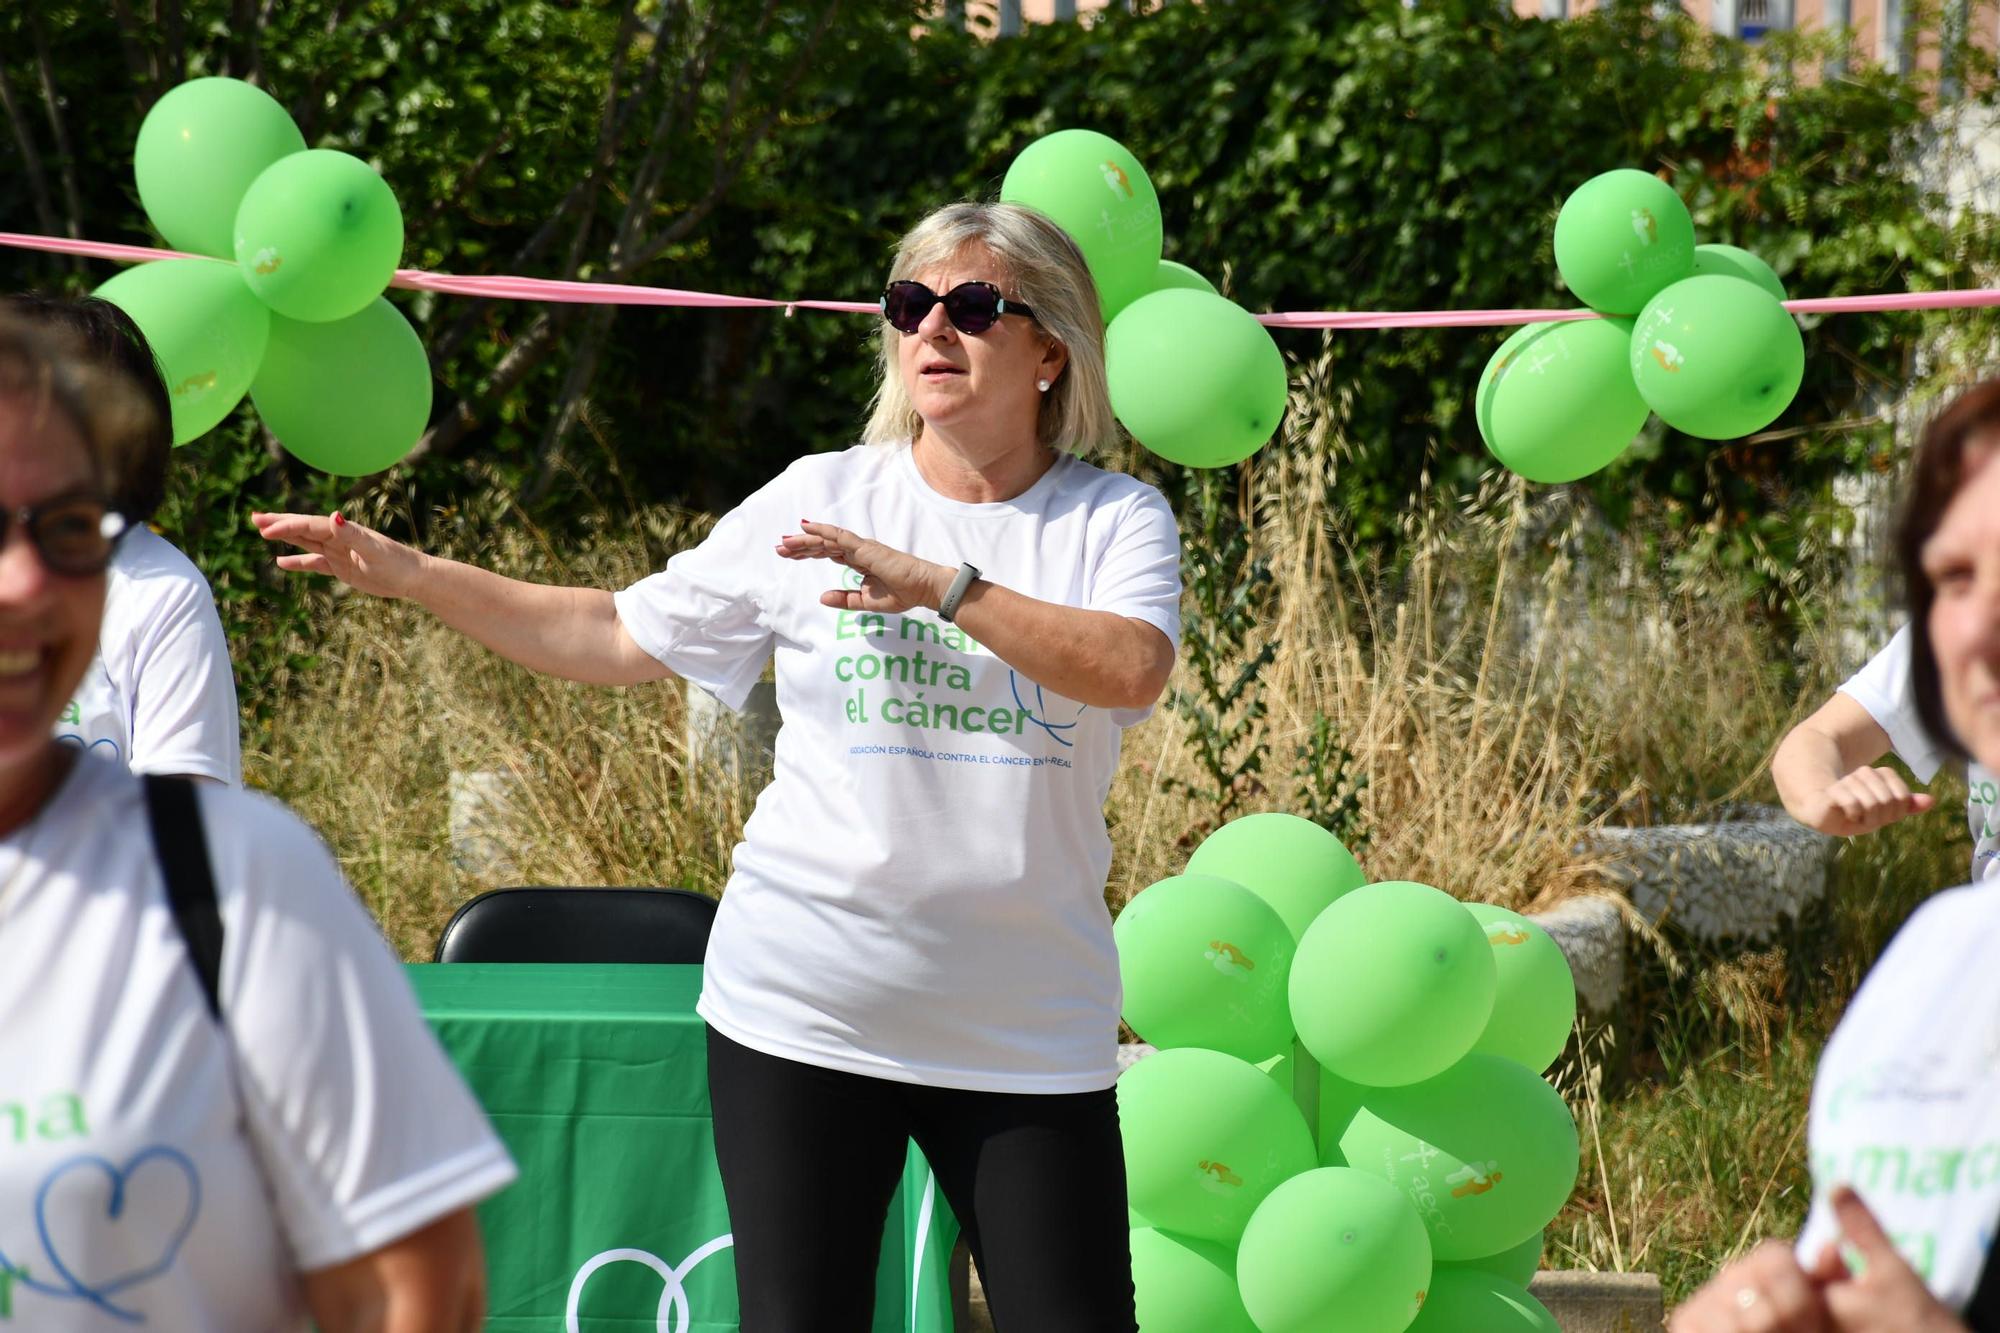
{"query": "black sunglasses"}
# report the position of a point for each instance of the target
(74, 534)
(972, 307)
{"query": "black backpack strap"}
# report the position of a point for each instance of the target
(182, 846)
(1982, 1312)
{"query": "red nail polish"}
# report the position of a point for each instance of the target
(338, 521)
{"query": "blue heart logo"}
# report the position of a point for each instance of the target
(138, 1225)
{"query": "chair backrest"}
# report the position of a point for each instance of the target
(582, 925)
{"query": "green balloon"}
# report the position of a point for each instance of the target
(1194, 377)
(198, 150)
(1171, 275)
(1620, 238)
(1467, 1300)
(1339, 1102)
(1095, 190)
(1205, 962)
(1730, 261)
(1334, 1251)
(1534, 1000)
(1556, 402)
(1207, 1136)
(1487, 1151)
(1291, 863)
(1717, 357)
(350, 397)
(319, 236)
(206, 329)
(1392, 984)
(1518, 1265)
(1184, 1285)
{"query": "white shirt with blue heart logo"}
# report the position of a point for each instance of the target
(157, 1174)
(919, 894)
(159, 696)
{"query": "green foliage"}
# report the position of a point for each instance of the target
(1330, 783)
(1351, 154)
(1227, 589)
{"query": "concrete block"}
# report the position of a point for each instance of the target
(1601, 1302)
(1736, 878)
(1591, 933)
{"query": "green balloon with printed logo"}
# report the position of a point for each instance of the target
(1556, 401)
(1518, 1264)
(1170, 275)
(198, 150)
(1291, 863)
(1392, 984)
(1731, 261)
(1194, 377)
(1207, 1136)
(1717, 357)
(348, 397)
(1486, 1150)
(1185, 1285)
(206, 330)
(1534, 998)
(1095, 190)
(1469, 1300)
(1334, 1249)
(1205, 962)
(319, 235)
(1620, 238)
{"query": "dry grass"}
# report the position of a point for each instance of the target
(1506, 678)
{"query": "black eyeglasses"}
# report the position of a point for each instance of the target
(972, 307)
(74, 534)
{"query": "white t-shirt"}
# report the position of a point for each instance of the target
(158, 697)
(1906, 1103)
(154, 1166)
(1883, 688)
(919, 894)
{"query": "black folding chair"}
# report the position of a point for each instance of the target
(560, 925)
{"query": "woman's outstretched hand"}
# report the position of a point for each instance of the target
(359, 557)
(891, 580)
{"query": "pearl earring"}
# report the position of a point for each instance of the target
(1043, 385)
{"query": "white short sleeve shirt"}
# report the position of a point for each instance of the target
(1883, 688)
(919, 894)
(159, 696)
(159, 1172)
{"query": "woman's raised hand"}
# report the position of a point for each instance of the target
(359, 557)
(891, 580)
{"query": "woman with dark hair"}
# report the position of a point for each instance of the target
(220, 1107)
(1826, 768)
(1904, 1129)
(159, 697)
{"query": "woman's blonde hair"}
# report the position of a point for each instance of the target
(1045, 272)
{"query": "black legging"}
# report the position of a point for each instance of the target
(811, 1158)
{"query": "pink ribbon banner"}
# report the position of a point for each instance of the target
(507, 288)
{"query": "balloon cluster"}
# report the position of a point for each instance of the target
(297, 320)
(1696, 333)
(1193, 375)
(1345, 1127)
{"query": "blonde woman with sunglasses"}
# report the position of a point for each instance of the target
(964, 615)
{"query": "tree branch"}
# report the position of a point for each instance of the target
(575, 390)
(173, 66)
(145, 75)
(65, 154)
(31, 160)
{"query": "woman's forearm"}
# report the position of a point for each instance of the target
(1097, 658)
(573, 633)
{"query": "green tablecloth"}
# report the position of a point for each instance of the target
(596, 1077)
